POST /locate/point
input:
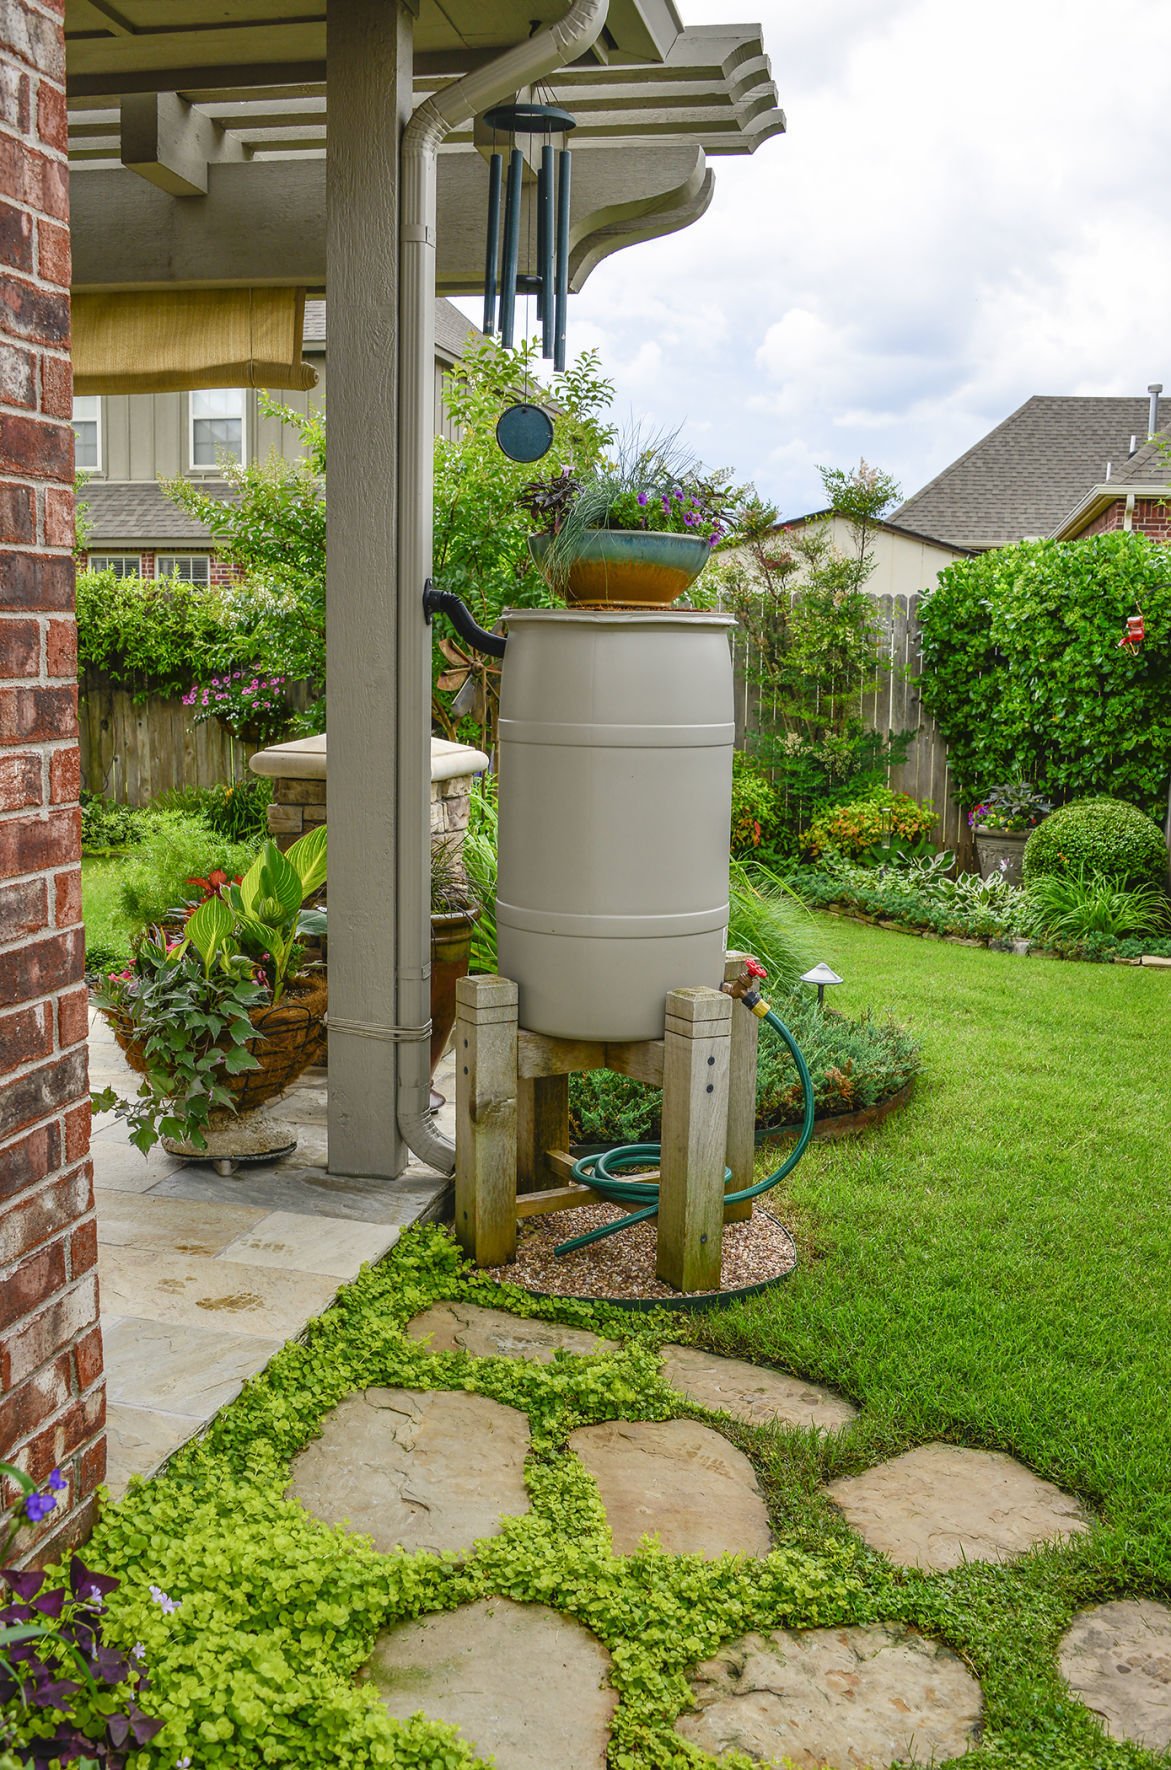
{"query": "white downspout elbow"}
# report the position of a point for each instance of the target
(543, 53)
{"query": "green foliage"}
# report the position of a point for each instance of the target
(852, 1064)
(753, 804)
(919, 896)
(150, 635)
(1023, 670)
(481, 844)
(155, 876)
(766, 920)
(1077, 904)
(235, 809)
(880, 819)
(263, 917)
(106, 824)
(1098, 836)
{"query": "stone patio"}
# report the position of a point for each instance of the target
(204, 1276)
(1116, 1659)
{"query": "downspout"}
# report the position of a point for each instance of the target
(550, 49)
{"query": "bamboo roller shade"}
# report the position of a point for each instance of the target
(175, 340)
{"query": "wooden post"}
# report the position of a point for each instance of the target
(696, 1053)
(485, 1118)
(741, 1150)
(542, 1122)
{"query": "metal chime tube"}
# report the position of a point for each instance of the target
(511, 248)
(546, 236)
(492, 250)
(562, 308)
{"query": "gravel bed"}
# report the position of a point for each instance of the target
(623, 1266)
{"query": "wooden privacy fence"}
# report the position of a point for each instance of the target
(133, 750)
(894, 705)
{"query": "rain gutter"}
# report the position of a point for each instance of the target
(542, 54)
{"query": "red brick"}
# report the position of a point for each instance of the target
(83, 1248)
(83, 1417)
(57, 1324)
(24, 1163)
(38, 315)
(67, 898)
(26, 1036)
(59, 517)
(18, 381)
(29, 844)
(38, 1093)
(64, 770)
(41, 967)
(37, 1276)
(34, 447)
(15, 96)
(34, 179)
(56, 373)
(20, 781)
(73, 1024)
(24, 909)
(93, 1468)
(16, 242)
(32, 580)
(31, 37)
(77, 1126)
(54, 253)
(30, 715)
(88, 1358)
(20, 647)
(27, 1408)
(52, 126)
(61, 639)
(18, 514)
(29, 1222)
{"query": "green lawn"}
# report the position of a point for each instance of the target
(106, 926)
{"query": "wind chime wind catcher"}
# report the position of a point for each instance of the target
(548, 277)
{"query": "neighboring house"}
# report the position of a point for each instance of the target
(905, 561)
(1055, 467)
(126, 443)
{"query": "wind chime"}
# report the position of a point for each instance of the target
(525, 431)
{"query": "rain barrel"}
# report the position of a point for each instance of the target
(615, 767)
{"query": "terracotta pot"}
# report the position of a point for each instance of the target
(451, 945)
(288, 1038)
(631, 568)
(1000, 852)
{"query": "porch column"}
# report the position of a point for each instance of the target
(369, 62)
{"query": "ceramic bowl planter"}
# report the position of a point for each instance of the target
(630, 568)
(1000, 852)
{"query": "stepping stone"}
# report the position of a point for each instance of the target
(676, 1480)
(835, 1697)
(490, 1333)
(940, 1505)
(1117, 1659)
(523, 1684)
(416, 1469)
(750, 1392)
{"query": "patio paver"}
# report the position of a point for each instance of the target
(523, 1683)
(205, 1275)
(835, 1697)
(1116, 1659)
(492, 1333)
(940, 1505)
(676, 1480)
(752, 1392)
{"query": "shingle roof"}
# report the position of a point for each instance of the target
(1027, 474)
(452, 330)
(139, 511)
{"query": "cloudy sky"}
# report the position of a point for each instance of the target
(970, 206)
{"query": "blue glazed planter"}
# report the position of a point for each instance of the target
(631, 568)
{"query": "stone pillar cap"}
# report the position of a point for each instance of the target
(303, 759)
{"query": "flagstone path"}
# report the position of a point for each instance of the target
(437, 1469)
(204, 1276)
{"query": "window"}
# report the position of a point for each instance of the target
(217, 425)
(192, 568)
(123, 565)
(87, 428)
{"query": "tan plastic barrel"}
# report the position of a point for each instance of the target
(615, 763)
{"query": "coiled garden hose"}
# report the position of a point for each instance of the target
(603, 1173)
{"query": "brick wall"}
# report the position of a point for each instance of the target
(52, 1401)
(1151, 517)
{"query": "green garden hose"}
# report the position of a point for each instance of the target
(603, 1173)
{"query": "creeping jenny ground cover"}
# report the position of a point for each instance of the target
(989, 1268)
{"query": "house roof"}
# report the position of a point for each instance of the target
(453, 332)
(138, 513)
(1027, 474)
(891, 528)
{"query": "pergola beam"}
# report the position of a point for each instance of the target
(171, 144)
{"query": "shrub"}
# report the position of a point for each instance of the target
(148, 634)
(177, 849)
(1075, 905)
(236, 809)
(107, 824)
(1103, 837)
(864, 825)
(753, 804)
(767, 920)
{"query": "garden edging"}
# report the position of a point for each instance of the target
(1021, 948)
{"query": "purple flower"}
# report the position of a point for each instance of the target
(642, 498)
(138, 1651)
(690, 518)
(56, 1482)
(38, 1506)
(678, 493)
(168, 1606)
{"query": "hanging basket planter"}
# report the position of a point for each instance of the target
(628, 568)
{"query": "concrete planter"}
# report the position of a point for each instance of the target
(1001, 851)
